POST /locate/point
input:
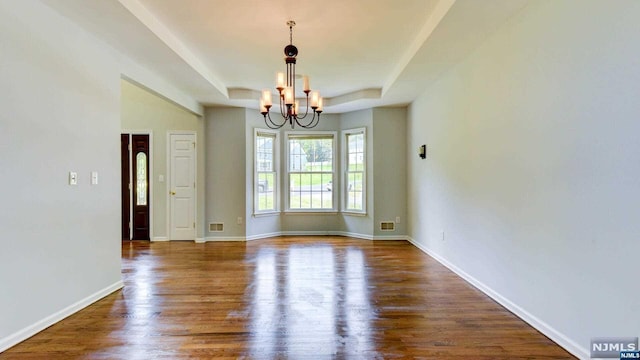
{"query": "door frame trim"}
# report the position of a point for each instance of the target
(195, 178)
(129, 190)
(151, 176)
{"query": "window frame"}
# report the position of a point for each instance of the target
(287, 173)
(345, 171)
(276, 171)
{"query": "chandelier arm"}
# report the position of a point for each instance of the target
(283, 108)
(313, 123)
(310, 125)
(306, 111)
(270, 124)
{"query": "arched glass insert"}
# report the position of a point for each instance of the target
(141, 179)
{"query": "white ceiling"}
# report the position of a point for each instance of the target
(357, 53)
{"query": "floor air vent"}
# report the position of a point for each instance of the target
(387, 226)
(216, 227)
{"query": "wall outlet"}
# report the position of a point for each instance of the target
(239, 220)
(397, 219)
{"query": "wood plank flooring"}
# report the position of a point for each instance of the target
(288, 298)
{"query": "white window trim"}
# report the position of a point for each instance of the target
(344, 191)
(276, 168)
(334, 201)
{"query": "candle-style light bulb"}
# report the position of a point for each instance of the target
(305, 84)
(280, 81)
(319, 109)
(288, 95)
(266, 97)
(263, 108)
(315, 95)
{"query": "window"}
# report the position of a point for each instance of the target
(266, 177)
(310, 170)
(354, 164)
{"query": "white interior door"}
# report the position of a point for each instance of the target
(182, 186)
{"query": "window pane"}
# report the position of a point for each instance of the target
(265, 180)
(354, 187)
(141, 179)
(264, 153)
(266, 193)
(311, 154)
(295, 193)
(354, 191)
(310, 172)
(298, 157)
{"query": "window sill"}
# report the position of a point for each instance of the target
(354, 213)
(266, 213)
(310, 212)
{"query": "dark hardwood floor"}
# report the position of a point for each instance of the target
(288, 298)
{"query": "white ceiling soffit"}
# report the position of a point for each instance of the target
(175, 44)
(357, 53)
(467, 24)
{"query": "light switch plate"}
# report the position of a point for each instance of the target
(94, 178)
(73, 178)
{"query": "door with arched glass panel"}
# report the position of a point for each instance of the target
(140, 186)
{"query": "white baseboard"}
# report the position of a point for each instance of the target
(31, 330)
(305, 233)
(390, 237)
(351, 234)
(296, 233)
(160, 238)
(315, 233)
(559, 338)
(225, 238)
(264, 236)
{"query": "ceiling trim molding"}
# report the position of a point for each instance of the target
(364, 94)
(244, 94)
(437, 14)
(177, 46)
(358, 95)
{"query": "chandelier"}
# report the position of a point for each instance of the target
(290, 107)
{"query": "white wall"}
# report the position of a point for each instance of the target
(532, 168)
(143, 110)
(389, 169)
(229, 171)
(225, 171)
(386, 174)
(59, 94)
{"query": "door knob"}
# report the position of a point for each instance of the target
(172, 192)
